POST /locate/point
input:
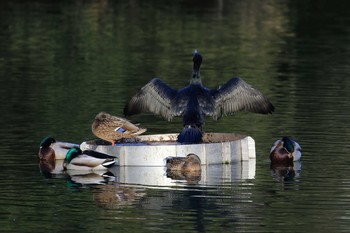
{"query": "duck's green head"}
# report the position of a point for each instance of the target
(288, 144)
(47, 141)
(72, 153)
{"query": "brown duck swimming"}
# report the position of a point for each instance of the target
(189, 163)
(184, 168)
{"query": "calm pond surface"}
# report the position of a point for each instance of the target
(62, 62)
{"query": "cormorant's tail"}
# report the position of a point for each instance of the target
(190, 135)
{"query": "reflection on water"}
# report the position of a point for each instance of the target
(117, 196)
(191, 177)
(51, 168)
(209, 175)
(282, 172)
(63, 62)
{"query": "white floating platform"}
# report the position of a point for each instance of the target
(151, 150)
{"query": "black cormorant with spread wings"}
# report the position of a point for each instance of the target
(195, 101)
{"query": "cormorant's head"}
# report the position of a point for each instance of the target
(197, 61)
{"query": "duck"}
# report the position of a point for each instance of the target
(189, 163)
(51, 149)
(184, 168)
(285, 150)
(88, 160)
(112, 128)
(195, 101)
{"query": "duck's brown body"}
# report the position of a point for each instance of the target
(111, 128)
(189, 163)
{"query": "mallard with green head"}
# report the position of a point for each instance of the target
(111, 128)
(285, 150)
(76, 159)
(51, 149)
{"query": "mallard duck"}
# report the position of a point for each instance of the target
(285, 150)
(189, 163)
(195, 101)
(50, 149)
(111, 128)
(76, 159)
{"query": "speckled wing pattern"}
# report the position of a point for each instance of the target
(116, 122)
(237, 95)
(174, 163)
(155, 97)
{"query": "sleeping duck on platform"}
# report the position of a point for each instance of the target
(195, 101)
(112, 128)
(87, 160)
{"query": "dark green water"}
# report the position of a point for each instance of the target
(62, 62)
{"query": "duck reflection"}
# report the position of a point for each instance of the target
(113, 196)
(55, 168)
(285, 172)
(83, 178)
(184, 168)
(51, 168)
(191, 177)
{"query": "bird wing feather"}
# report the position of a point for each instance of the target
(88, 161)
(237, 95)
(155, 97)
(116, 122)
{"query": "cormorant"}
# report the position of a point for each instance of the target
(195, 101)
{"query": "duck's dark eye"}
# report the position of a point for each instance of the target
(193, 75)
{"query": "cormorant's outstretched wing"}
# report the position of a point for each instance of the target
(154, 97)
(237, 95)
